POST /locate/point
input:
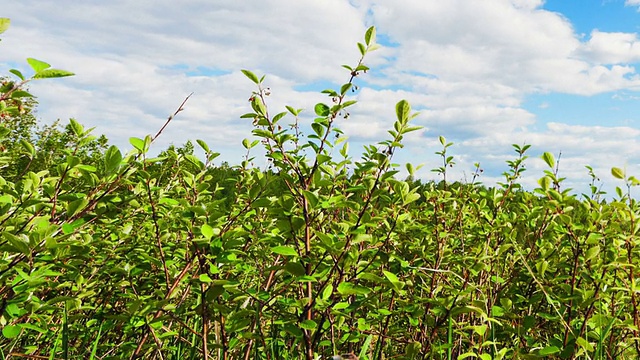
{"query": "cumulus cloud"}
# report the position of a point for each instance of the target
(612, 47)
(510, 43)
(468, 67)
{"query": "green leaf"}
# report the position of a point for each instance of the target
(18, 243)
(67, 228)
(251, 76)
(372, 277)
(17, 73)
(391, 276)
(216, 291)
(362, 48)
(345, 87)
(4, 132)
(393, 279)
(194, 160)
(52, 73)
(168, 201)
(207, 231)
(549, 159)
(258, 106)
(545, 183)
(204, 278)
(467, 309)
(549, 350)
(326, 293)
(20, 94)
(341, 306)
(402, 110)
(410, 169)
(76, 206)
(112, 159)
(617, 173)
(374, 47)
(409, 129)
(412, 349)
(411, 198)
(318, 129)
(37, 65)
(308, 325)
(11, 331)
(365, 347)
(203, 145)
(293, 111)
(137, 143)
(311, 198)
(293, 330)
(592, 253)
(295, 268)
(4, 24)
(33, 327)
(322, 109)
(29, 149)
(284, 250)
(467, 355)
(582, 342)
(278, 116)
(346, 289)
(77, 128)
(370, 35)
(480, 329)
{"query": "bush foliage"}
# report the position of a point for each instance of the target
(105, 255)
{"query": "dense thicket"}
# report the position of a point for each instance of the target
(106, 255)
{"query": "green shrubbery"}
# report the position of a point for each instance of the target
(107, 255)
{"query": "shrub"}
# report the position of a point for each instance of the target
(113, 256)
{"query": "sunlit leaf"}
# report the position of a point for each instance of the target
(617, 173)
(52, 73)
(549, 159)
(403, 109)
(284, 250)
(112, 159)
(137, 143)
(322, 109)
(251, 76)
(11, 331)
(4, 24)
(37, 65)
(370, 35)
(207, 231)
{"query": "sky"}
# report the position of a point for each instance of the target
(559, 75)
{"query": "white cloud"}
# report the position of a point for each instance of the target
(612, 47)
(466, 66)
(503, 42)
(597, 146)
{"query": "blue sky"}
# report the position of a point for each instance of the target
(620, 108)
(605, 15)
(561, 75)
